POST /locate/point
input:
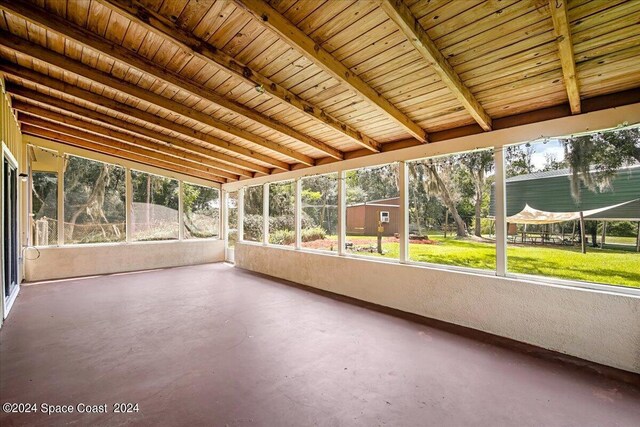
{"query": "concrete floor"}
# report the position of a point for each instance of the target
(214, 345)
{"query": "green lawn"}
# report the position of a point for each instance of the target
(609, 266)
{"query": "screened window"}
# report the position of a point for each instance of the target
(232, 220)
(449, 221)
(282, 227)
(200, 211)
(320, 212)
(573, 208)
(154, 210)
(253, 214)
(94, 201)
(369, 192)
(44, 206)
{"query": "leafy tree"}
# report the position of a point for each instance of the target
(201, 210)
(479, 164)
(519, 160)
(595, 159)
(320, 202)
(93, 196)
(551, 163)
(437, 178)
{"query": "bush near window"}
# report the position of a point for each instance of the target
(288, 237)
(253, 226)
(311, 234)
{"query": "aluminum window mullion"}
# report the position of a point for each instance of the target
(265, 214)
(403, 232)
(501, 210)
(342, 212)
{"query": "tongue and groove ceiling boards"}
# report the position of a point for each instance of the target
(232, 89)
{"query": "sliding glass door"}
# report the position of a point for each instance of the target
(9, 231)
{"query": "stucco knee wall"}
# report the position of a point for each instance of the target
(599, 326)
(85, 260)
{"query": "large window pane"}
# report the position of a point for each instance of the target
(281, 213)
(562, 190)
(94, 201)
(320, 212)
(155, 207)
(201, 211)
(232, 220)
(44, 206)
(373, 211)
(449, 210)
(253, 214)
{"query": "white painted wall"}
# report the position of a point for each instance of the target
(602, 327)
(87, 260)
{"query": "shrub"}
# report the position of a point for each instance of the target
(311, 234)
(622, 229)
(282, 237)
(253, 227)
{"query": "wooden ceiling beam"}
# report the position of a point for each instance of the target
(88, 136)
(401, 15)
(27, 107)
(270, 18)
(562, 32)
(62, 87)
(153, 21)
(19, 92)
(93, 41)
(28, 129)
(36, 116)
(78, 68)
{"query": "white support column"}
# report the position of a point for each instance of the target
(128, 202)
(501, 212)
(240, 214)
(342, 212)
(265, 214)
(180, 210)
(224, 217)
(403, 183)
(298, 212)
(61, 160)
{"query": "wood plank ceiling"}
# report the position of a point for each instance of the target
(227, 90)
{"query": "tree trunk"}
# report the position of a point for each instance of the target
(448, 201)
(479, 184)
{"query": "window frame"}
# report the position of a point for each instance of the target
(61, 150)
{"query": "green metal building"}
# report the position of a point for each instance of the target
(551, 192)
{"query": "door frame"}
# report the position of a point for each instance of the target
(7, 301)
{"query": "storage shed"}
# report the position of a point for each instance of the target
(362, 218)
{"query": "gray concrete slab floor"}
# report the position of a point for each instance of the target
(215, 345)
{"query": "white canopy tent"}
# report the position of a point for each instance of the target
(529, 215)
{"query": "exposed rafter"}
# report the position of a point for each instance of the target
(109, 148)
(64, 63)
(273, 20)
(82, 125)
(31, 108)
(410, 26)
(70, 131)
(29, 96)
(562, 31)
(84, 37)
(157, 23)
(42, 80)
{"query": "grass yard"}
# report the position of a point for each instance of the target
(608, 266)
